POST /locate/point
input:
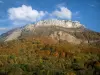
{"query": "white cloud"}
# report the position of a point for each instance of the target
(63, 13)
(25, 14)
(2, 29)
(1, 2)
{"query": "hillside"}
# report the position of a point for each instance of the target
(70, 31)
(50, 47)
(40, 56)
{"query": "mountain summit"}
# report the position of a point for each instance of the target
(61, 23)
(57, 30)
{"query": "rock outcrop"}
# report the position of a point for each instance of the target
(61, 23)
(65, 30)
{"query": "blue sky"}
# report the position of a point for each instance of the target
(16, 13)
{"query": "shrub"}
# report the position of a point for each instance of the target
(11, 57)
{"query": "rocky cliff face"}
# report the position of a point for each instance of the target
(70, 31)
(62, 23)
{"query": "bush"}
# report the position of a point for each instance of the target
(11, 57)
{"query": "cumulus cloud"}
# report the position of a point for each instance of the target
(63, 13)
(25, 14)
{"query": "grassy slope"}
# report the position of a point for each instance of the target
(28, 56)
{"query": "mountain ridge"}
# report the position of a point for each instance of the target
(70, 31)
(62, 23)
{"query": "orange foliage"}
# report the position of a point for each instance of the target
(63, 54)
(43, 52)
(56, 54)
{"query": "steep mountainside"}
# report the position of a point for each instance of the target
(65, 30)
(50, 48)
